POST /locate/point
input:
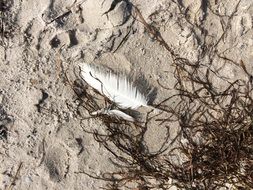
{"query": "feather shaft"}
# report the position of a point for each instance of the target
(114, 113)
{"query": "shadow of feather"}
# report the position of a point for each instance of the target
(145, 87)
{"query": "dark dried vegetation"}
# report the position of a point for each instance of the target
(216, 127)
(214, 147)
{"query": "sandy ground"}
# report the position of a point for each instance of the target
(42, 145)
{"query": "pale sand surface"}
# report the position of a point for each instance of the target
(42, 38)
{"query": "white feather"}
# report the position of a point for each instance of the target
(116, 113)
(118, 88)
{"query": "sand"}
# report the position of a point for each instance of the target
(42, 143)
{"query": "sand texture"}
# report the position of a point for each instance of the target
(43, 143)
